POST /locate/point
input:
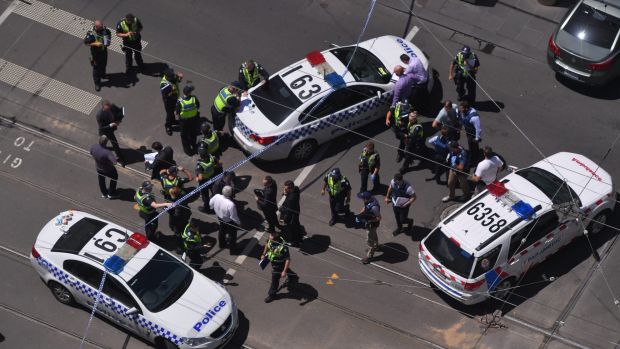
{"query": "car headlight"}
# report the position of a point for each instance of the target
(194, 342)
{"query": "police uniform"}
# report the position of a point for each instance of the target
(471, 124)
(338, 189)
(372, 214)
(367, 165)
(98, 54)
(225, 103)
(169, 87)
(401, 119)
(146, 212)
(413, 143)
(187, 109)
(205, 167)
(132, 44)
(440, 143)
(168, 184)
(455, 159)
(250, 78)
(402, 190)
(465, 65)
(277, 253)
(192, 245)
(212, 143)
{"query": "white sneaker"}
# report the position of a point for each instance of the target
(446, 198)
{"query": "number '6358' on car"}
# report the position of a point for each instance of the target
(151, 293)
(318, 98)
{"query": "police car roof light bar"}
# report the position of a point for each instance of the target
(315, 58)
(115, 263)
(497, 188)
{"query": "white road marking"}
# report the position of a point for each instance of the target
(64, 21)
(46, 87)
(17, 253)
(412, 33)
(8, 11)
(259, 234)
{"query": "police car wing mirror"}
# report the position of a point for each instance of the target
(379, 94)
(331, 44)
(132, 310)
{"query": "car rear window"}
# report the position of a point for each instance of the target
(275, 100)
(449, 253)
(593, 26)
(78, 235)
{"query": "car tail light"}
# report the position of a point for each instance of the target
(421, 247)
(604, 65)
(34, 252)
(262, 140)
(553, 47)
(472, 286)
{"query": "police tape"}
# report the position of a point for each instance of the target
(92, 313)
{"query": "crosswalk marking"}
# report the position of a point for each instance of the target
(48, 88)
(63, 21)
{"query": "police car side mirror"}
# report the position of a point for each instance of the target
(133, 310)
(379, 94)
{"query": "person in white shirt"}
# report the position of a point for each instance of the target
(226, 213)
(487, 170)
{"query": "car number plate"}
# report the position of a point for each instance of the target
(571, 75)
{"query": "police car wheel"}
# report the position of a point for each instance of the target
(61, 293)
(599, 222)
(162, 343)
(503, 289)
(303, 150)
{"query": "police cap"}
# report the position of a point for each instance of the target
(188, 89)
(205, 128)
(172, 170)
(147, 185)
(203, 150)
(364, 195)
(335, 172)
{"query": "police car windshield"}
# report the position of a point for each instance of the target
(449, 254)
(275, 100)
(365, 66)
(161, 282)
(551, 185)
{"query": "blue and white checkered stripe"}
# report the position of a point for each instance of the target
(110, 304)
(332, 120)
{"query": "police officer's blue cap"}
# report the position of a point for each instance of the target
(365, 195)
(188, 89)
(147, 185)
(466, 49)
(335, 172)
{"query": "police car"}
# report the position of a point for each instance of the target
(290, 102)
(485, 246)
(147, 290)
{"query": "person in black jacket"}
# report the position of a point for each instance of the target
(108, 123)
(266, 202)
(289, 214)
(163, 160)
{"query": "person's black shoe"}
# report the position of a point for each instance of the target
(365, 260)
(270, 299)
(332, 222)
(97, 87)
(128, 70)
(432, 179)
(397, 231)
(410, 222)
(169, 131)
(204, 209)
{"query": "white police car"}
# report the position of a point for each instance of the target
(147, 290)
(485, 246)
(288, 103)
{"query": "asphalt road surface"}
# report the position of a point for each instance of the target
(47, 123)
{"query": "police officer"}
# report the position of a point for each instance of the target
(205, 170)
(372, 216)
(276, 251)
(402, 195)
(369, 165)
(439, 142)
(463, 70)
(210, 139)
(250, 74)
(192, 243)
(226, 103)
(457, 159)
(413, 139)
(169, 88)
(171, 179)
(187, 110)
(339, 190)
(147, 207)
(401, 115)
(470, 119)
(98, 39)
(130, 29)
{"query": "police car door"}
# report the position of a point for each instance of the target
(120, 301)
(534, 242)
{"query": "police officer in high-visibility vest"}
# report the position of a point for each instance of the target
(129, 29)
(414, 141)
(276, 252)
(225, 104)
(339, 190)
(210, 139)
(170, 178)
(169, 88)
(251, 74)
(371, 216)
(401, 119)
(463, 70)
(192, 243)
(147, 207)
(205, 170)
(189, 119)
(369, 165)
(98, 39)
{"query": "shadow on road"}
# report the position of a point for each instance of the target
(611, 91)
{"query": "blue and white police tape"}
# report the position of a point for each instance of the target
(92, 313)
